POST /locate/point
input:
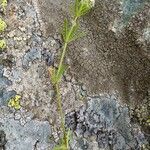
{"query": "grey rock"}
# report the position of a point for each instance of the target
(48, 57)
(129, 9)
(27, 135)
(5, 96)
(36, 40)
(1, 71)
(4, 82)
(30, 56)
(106, 119)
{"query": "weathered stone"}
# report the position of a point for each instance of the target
(30, 56)
(103, 61)
(27, 135)
(4, 80)
(104, 118)
(4, 83)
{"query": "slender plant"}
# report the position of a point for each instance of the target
(70, 32)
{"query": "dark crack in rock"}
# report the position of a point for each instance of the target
(48, 57)
(104, 118)
(2, 140)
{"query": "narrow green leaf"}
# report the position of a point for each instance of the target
(65, 30)
(60, 73)
(73, 32)
(84, 9)
(76, 7)
(78, 35)
(68, 137)
(71, 10)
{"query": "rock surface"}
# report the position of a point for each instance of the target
(108, 60)
(104, 120)
(33, 135)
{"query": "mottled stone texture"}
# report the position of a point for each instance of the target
(113, 56)
(107, 121)
(4, 83)
(33, 135)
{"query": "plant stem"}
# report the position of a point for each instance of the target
(62, 58)
(59, 105)
(65, 45)
(58, 95)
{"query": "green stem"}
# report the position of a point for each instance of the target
(65, 45)
(59, 105)
(62, 58)
(59, 100)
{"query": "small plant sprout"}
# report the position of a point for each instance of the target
(70, 32)
(2, 25)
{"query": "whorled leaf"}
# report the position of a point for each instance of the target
(71, 33)
(82, 7)
(65, 30)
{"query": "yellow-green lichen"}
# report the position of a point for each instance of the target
(148, 121)
(142, 113)
(2, 44)
(15, 102)
(3, 4)
(3, 25)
